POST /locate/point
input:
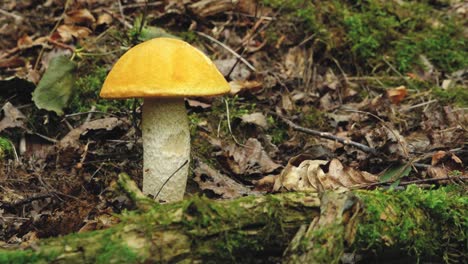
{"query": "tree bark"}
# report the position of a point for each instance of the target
(421, 223)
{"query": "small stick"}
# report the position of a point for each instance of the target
(386, 126)
(27, 200)
(89, 112)
(229, 122)
(326, 135)
(462, 178)
(16, 17)
(228, 49)
(167, 180)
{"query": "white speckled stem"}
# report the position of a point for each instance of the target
(166, 147)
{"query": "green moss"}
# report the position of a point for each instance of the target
(444, 46)
(298, 16)
(205, 218)
(26, 256)
(86, 93)
(314, 119)
(445, 206)
(114, 251)
(457, 95)
(189, 36)
(361, 34)
(277, 131)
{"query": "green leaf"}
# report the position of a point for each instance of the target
(396, 172)
(55, 88)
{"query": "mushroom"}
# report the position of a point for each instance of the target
(163, 71)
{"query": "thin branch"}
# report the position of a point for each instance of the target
(375, 184)
(16, 17)
(27, 200)
(167, 180)
(229, 122)
(326, 135)
(397, 137)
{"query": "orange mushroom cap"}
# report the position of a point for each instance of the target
(163, 67)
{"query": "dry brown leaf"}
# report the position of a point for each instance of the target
(104, 19)
(66, 33)
(24, 41)
(12, 117)
(300, 177)
(265, 184)
(221, 185)
(443, 163)
(249, 159)
(71, 140)
(81, 16)
(319, 175)
(286, 102)
(197, 104)
(294, 62)
(240, 86)
(255, 118)
(397, 95)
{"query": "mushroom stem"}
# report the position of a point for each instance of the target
(166, 147)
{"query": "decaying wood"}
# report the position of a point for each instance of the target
(257, 228)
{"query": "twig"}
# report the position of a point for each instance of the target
(89, 112)
(120, 19)
(419, 105)
(27, 200)
(121, 9)
(16, 17)
(463, 178)
(167, 180)
(17, 161)
(46, 138)
(229, 122)
(326, 135)
(397, 138)
(141, 5)
(228, 49)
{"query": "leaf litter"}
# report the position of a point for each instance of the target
(371, 128)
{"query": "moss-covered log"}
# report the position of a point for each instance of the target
(421, 223)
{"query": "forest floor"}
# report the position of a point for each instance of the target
(387, 81)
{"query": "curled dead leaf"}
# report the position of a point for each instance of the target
(24, 41)
(104, 19)
(12, 117)
(80, 16)
(255, 118)
(320, 175)
(66, 33)
(249, 159)
(443, 163)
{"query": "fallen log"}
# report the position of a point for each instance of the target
(288, 227)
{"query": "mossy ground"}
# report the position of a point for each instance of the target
(400, 218)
